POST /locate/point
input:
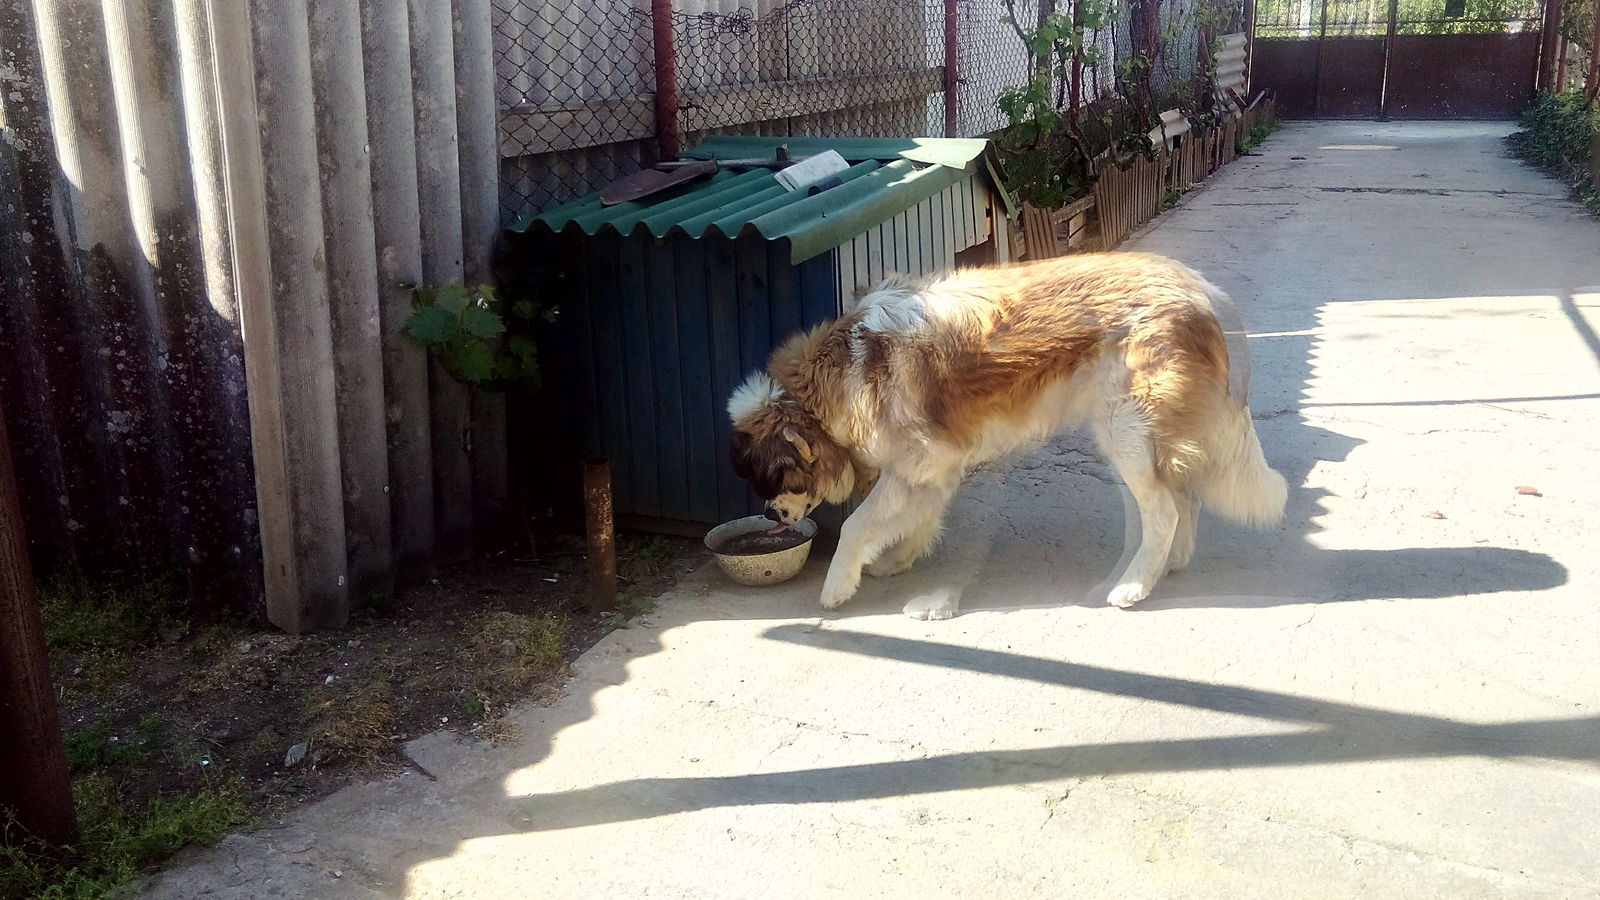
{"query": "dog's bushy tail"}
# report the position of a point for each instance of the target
(1239, 485)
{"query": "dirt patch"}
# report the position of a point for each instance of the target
(163, 708)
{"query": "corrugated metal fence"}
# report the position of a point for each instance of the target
(208, 208)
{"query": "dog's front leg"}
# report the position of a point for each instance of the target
(864, 535)
(893, 511)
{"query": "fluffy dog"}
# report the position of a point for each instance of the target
(926, 378)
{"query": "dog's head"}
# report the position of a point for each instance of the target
(784, 452)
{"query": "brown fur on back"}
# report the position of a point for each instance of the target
(1004, 335)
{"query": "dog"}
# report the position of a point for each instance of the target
(899, 398)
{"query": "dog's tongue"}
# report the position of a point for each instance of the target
(779, 528)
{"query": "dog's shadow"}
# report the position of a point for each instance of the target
(1055, 527)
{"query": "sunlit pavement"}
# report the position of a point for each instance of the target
(1396, 693)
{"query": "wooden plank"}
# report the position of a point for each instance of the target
(819, 300)
(578, 344)
(860, 258)
(948, 226)
(610, 364)
(927, 237)
(701, 406)
(874, 254)
(962, 216)
(939, 232)
(915, 248)
(845, 256)
(783, 292)
(999, 231)
(728, 370)
(36, 793)
(668, 290)
(636, 295)
(1039, 232)
(755, 315)
(980, 225)
(904, 245)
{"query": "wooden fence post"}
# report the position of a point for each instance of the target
(36, 786)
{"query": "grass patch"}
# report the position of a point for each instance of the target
(510, 651)
(112, 616)
(629, 605)
(99, 624)
(116, 845)
(351, 724)
(1258, 132)
(94, 747)
(1556, 134)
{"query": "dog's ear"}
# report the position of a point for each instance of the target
(800, 444)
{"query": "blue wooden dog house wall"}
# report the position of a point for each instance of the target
(667, 303)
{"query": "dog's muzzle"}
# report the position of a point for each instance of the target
(773, 515)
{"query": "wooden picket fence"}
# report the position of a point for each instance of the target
(1125, 198)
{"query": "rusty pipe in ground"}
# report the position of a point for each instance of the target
(602, 535)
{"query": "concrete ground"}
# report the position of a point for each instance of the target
(1394, 694)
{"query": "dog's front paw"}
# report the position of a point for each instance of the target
(835, 593)
(1125, 595)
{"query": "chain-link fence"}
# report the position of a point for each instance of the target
(578, 80)
(812, 67)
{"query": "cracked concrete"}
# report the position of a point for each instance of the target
(1366, 701)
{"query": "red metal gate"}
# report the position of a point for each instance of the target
(1404, 59)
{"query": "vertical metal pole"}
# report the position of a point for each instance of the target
(1316, 86)
(36, 787)
(1549, 52)
(952, 80)
(666, 80)
(1388, 59)
(602, 538)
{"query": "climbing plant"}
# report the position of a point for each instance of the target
(480, 338)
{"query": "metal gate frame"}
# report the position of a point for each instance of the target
(1397, 67)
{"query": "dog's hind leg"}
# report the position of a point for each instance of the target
(877, 524)
(1188, 506)
(1126, 442)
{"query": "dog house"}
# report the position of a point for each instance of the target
(669, 301)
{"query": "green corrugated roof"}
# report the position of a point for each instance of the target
(887, 176)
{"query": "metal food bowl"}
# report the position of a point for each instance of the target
(757, 569)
